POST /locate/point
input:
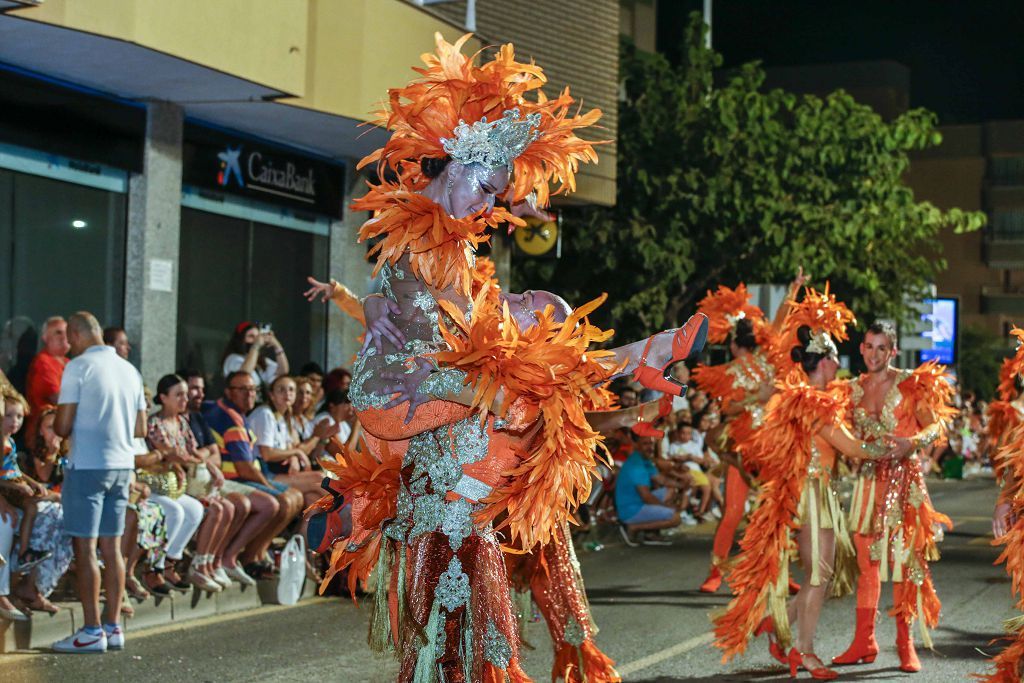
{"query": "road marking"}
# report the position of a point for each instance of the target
(662, 655)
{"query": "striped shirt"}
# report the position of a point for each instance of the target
(233, 435)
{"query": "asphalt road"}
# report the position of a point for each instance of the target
(654, 624)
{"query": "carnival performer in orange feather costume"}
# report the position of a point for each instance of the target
(895, 528)
(796, 456)
(1008, 517)
(743, 387)
(476, 428)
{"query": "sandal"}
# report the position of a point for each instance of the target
(154, 580)
(135, 589)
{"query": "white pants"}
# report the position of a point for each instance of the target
(182, 516)
(7, 531)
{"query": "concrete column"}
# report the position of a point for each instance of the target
(348, 265)
(154, 229)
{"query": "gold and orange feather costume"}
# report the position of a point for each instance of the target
(447, 605)
(795, 489)
(1008, 462)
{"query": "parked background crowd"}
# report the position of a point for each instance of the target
(217, 481)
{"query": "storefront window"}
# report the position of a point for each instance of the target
(233, 270)
(63, 251)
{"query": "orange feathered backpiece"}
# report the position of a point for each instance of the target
(1002, 415)
(549, 369)
(819, 311)
(372, 487)
(411, 223)
(724, 307)
(1008, 663)
(452, 89)
(794, 415)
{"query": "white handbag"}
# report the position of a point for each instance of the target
(292, 578)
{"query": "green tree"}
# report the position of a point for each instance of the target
(981, 355)
(724, 182)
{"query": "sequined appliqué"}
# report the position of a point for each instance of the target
(453, 586)
(497, 651)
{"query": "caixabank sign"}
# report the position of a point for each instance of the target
(260, 171)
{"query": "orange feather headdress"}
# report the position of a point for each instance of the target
(453, 99)
(826, 317)
(725, 307)
(1012, 368)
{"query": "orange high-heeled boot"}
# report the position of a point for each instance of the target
(713, 582)
(687, 343)
(905, 648)
(864, 647)
(796, 662)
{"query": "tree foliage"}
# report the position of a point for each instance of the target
(727, 182)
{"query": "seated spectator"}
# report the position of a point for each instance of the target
(44, 461)
(646, 499)
(241, 462)
(20, 489)
(684, 448)
(118, 338)
(42, 386)
(199, 470)
(338, 412)
(237, 494)
(257, 353)
(315, 374)
(279, 444)
(145, 538)
(304, 409)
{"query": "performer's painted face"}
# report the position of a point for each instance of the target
(877, 350)
(473, 187)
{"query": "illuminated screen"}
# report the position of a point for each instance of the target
(941, 327)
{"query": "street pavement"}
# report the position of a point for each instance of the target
(654, 624)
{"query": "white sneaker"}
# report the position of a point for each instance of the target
(716, 512)
(238, 574)
(221, 577)
(115, 637)
(82, 642)
(688, 519)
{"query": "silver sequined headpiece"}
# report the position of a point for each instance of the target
(493, 144)
(821, 342)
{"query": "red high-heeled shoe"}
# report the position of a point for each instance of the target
(686, 344)
(767, 626)
(796, 662)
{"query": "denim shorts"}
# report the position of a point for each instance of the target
(276, 488)
(94, 502)
(652, 513)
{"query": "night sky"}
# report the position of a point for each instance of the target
(966, 57)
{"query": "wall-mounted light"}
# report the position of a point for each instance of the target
(78, 224)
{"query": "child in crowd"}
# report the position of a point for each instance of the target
(21, 490)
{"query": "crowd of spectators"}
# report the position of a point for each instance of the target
(176, 490)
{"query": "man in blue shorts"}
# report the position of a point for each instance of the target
(644, 498)
(103, 409)
(241, 463)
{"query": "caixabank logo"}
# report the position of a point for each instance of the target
(265, 172)
(230, 167)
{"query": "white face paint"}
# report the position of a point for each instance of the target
(473, 188)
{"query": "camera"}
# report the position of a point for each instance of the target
(265, 328)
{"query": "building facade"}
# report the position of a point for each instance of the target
(178, 168)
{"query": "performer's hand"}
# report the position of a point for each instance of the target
(800, 280)
(899, 447)
(324, 290)
(1002, 519)
(379, 326)
(527, 208)
(405, 386)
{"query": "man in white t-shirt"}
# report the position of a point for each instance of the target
(102, 408)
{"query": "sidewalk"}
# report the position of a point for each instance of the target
(43, 629)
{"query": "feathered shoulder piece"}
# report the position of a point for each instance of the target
(724, 308)
(717, 381)
(826, 317)
(549, 369)
(783, 446)
(929, 384)
(1012, 368)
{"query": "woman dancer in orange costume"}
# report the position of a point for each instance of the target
(1008, 517)
(468, 418)
(796, 454)
(743, 385)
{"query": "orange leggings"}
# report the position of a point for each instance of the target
(869, 585)
(736, 490)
